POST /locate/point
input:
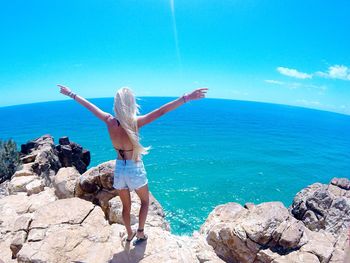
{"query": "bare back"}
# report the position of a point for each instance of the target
(119, 138)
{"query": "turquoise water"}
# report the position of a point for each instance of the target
(207, 152)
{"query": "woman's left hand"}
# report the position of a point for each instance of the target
(64, 90)
(197, 94)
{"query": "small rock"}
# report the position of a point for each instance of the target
(35, 187)
(63, 140)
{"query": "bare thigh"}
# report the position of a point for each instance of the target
(143, 194)
(124, 195)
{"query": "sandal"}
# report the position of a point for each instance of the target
(129, 240)
(140, 239)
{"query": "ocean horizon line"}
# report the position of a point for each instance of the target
(226, 99)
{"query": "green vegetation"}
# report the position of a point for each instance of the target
(9, 159)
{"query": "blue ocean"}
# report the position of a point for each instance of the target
(207, 152)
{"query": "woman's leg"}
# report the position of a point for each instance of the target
(144, 197)
(124, 195)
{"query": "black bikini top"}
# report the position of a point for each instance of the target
(122, 151)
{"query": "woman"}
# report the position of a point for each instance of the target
(123, 129)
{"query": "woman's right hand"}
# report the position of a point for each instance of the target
(196, 94)
(64, 90)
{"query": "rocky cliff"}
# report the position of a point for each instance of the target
(53, 210)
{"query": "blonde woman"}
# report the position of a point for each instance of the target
(123, 128)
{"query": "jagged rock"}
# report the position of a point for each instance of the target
(29, 158)
(23, 172)
(17, 242)
(46, 162)
(320, 244)
(4, 191)
(297, 257)
(16, 215)
(43, 158)
(65, 181)
(155, 215)
(266, 233)
(34, 187)
(18, 184)
(42, 228)
(343, 183)
(72, 154)
(325, 207)
(97, 178)
(64, 140)
(96, 185)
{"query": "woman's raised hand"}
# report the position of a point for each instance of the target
(197, 94)
(64, 90)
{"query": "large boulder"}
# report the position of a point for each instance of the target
(268, 233)
(74, 229)
(65, 182)
(72, 154)
(96, 185)
(41, 158)
(18, 184)
(324, 207)
(155, 217)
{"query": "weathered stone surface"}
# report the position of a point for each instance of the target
(29, 158)
(72, 154)
(155, 217)
(40, 228)
(65, 181)
(46, 162)
(35, 186)
(4, 189)
(23, 172)
(325, 207)
(18, 184)
(267, 233)
(17, 242)
(343, 183)
(297, 257)
(56, 212)
(320, 244)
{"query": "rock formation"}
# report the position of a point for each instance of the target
(78, 218)
(325, 207)
(269, 232)
(41, 161)
(52, 213)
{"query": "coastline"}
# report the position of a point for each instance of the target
(40, 203)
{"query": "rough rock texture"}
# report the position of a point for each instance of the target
(42, 159)
(72, 154)
(74, 229)
(50, 213)
(269, 233)
(96, 185)
(4, 191)
(322, 206)
(65, 182)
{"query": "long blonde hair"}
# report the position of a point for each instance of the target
(125, 110)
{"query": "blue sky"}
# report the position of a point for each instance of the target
(288, 52)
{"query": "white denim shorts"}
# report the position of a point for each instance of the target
(129, 174)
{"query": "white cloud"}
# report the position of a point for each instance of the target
(336, 72)
(293, 73)
(295, 85)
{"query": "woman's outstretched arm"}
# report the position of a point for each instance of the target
(153, 115)
(104, 116)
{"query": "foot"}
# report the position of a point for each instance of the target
(131, 236)
(140, 237)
